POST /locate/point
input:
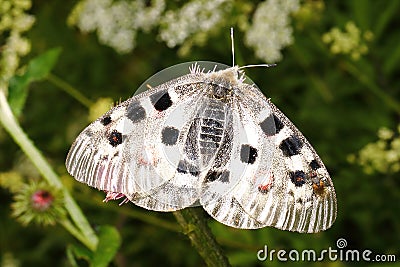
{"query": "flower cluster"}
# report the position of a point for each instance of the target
(146, 17)
(38, 202)
(116, 22)
(381, 156)
(13, 23)
(309, 13)
(193, 18)
(270, 31)
(351, 41)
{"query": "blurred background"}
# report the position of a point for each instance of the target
(64, 63)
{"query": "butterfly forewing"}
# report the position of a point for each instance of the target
(95, 158)
(298, 194)
(118, 152)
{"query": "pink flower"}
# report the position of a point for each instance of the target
(42, 200)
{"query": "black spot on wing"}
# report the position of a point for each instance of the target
(222, 176)
(115, 138)
(88, 132)
(271, 125)
(278, 124)
(161, 100)
(169, 135)
(291, 146)
(248, 154)
(135, 112)
(298, 178)
(314, 165)
(185, 167)
(106, 120)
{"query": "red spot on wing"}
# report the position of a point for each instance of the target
(264, 188)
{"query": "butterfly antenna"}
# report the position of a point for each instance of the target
(233, 48)
(257, 65)
(247, 66)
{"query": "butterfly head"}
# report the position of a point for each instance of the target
(223, 83)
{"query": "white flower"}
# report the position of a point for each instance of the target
(192, 18)
(146, 18)
(13, 22)
(271, 31)
(116, 22)
(23, 22)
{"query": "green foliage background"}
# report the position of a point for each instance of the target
(337, 102)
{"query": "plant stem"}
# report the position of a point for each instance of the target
(371, 85)
(69, 90)
(75, 232)
(194, 225)
(133, 212)
(11, 125)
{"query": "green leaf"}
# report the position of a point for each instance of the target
(385, 17)
(78, 252)
(38, 68)
(109, 242)
(17, 93)
(391, 62)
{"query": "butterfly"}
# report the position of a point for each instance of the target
(207, 137)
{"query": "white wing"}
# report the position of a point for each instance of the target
(295, 193)
(123, 150)
(221, 199)
(208, 138)
(299, 194)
